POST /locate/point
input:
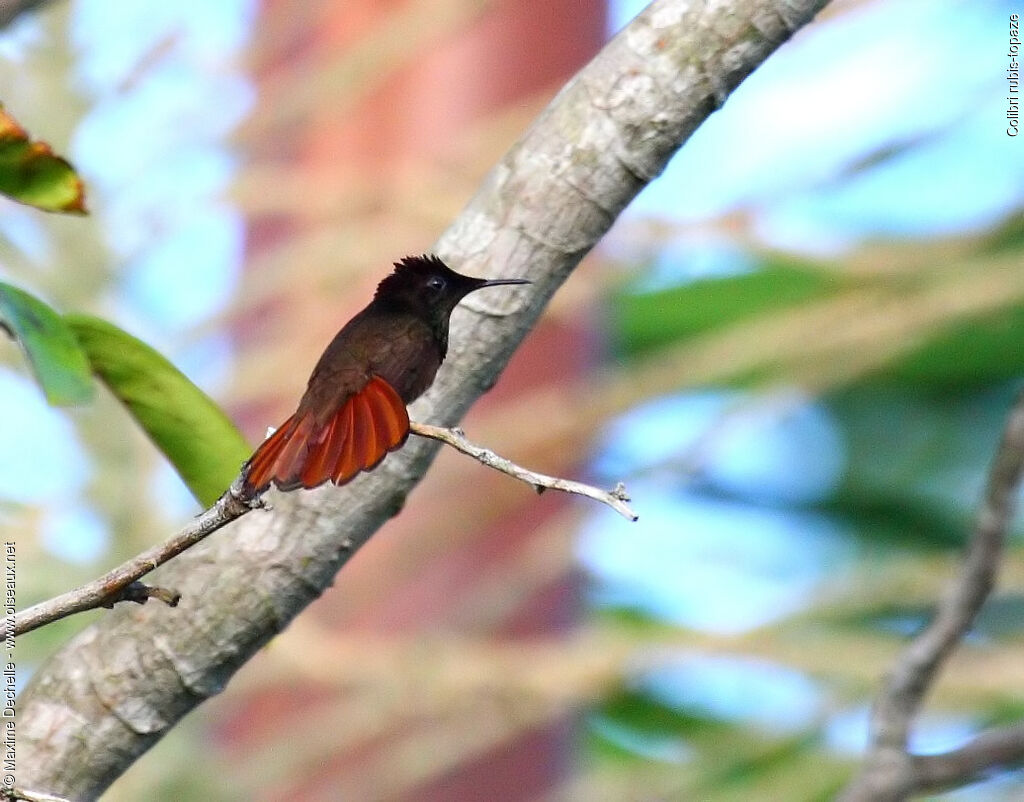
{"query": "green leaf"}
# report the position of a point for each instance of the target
(976, 352)
(644, 714)
(645, 322)
(967, 352)
(31, 173)
(60, 365)
(915, 460)
(203, 445)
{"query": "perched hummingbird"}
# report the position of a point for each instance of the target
(353, 411)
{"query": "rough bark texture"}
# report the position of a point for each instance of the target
(114, 690)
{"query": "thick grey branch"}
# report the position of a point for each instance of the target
(116, 688)
(890, 772)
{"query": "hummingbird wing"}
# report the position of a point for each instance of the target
(306, 453)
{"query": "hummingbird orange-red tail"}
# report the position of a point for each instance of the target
(306, 453)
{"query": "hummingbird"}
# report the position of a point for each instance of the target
(354, 409)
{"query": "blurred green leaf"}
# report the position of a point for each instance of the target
(641, 712)
(201, 442)
(898, 518)
(647, 321)
(796, 768)
(971, 353)
(31, 173)
(1009, 712)
(915, 461)
(725, 761)
(60, 365)
(1007, 237)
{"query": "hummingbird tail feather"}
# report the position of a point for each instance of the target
(302, 453)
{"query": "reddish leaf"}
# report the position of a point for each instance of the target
(31, 173)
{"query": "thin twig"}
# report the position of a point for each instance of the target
(121, 584)
(915, 670)
(1002, 747)
(889, 771)
(456, 438)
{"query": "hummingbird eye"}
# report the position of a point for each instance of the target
(435, 283)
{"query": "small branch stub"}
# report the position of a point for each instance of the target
(140, 594)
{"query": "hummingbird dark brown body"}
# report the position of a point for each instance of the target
(353, 411)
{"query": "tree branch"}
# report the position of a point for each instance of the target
(997, 748)
(122, 585)
(456, 438)
(116, 688)
(890, 772)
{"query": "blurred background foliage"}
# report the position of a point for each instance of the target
(796, 348)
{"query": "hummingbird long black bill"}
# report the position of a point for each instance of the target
(497, 282)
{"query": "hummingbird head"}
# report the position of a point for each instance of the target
(426, 286)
